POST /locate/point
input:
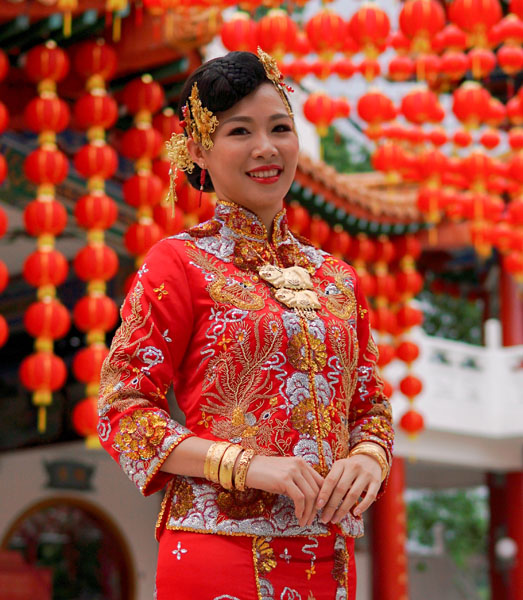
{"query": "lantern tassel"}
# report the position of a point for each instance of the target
(42, 419)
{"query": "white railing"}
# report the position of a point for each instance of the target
(472, 390)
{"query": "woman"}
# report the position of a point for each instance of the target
(266, 341)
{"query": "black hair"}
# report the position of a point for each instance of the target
(222, 82)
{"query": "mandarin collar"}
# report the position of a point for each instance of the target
(243, 222)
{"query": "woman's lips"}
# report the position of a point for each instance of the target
(266, 175)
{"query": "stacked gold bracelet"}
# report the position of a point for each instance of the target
(375, 451)
(220, 461)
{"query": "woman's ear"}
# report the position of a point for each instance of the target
(196, 152)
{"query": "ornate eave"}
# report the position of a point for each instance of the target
(367, 195)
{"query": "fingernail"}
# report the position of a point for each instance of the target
(357, 512)
(320, 503)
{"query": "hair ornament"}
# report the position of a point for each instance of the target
(273, 74)
(200, 120)
(180, 159)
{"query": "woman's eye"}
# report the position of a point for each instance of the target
(238, 131)
(282, 127)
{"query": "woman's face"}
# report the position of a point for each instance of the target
(255, 153)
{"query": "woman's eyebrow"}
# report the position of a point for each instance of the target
(246, 119)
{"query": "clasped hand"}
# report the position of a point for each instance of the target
(335, 495)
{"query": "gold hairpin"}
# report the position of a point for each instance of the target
(273, 74)
(180, 159)
(203, 122)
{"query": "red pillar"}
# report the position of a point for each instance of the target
(515, 531)
(389, 539)
(511, 310)
(506, 520)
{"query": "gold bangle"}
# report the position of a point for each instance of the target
(241, 472)
(213, 459)
(227, 465)
(373, 453)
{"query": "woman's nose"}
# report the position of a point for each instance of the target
(264, 147)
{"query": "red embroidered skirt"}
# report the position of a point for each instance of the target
(199, 566)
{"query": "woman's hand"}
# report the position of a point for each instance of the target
(291, 476)
(349, 478)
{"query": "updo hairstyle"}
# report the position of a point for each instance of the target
(222, 82)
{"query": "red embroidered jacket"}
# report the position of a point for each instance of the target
(244, 367)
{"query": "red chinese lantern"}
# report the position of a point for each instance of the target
(4, 276)
(389, 158)
(482, 62)
(141, 236)
(298, 218)
(454, 64)
(411, 386)
(170, 224)
(375, 108)
(343, 68)
(419, 106)
(45, 268)
(143, 96)
(408, 317)
(369, 26)
(46, 165)
(46, 64)
(139, 144)
(96, 160)
(47, 319)
(510, 59)
(386, 354)
(401, 68)
(95, 313)
(319, 109)
(277, 33)
(87, 363)
(476, 17)
(302, 46)
(509, 30)
(45, 217)
(47, 114)
(167, 123)
(428, 67)
(85, 420)
(4, 331)
(143, 189)
(370, 68)
(412, 422)
(407, 352)
(96, 110)
(95, 58)
(449, 38)
(96, 262)
(420, 21)
(96, 211)
(319, 231)
(471, 103)
(338, 243)
(326, 32)
(42, 373)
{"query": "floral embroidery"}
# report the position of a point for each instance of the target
(242, 505)
(178, 551)
(307, 352)
(161, 291)
(265, 561)
(140, 434)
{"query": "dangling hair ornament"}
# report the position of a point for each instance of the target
(273, 74)
(198, 123)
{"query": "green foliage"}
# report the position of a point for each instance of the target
(452, 318)
(463, 514)
(344, 155)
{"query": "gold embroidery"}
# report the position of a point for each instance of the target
(249, 504)
(117, 366)
(240, 386)
(312, 571)
(343, 304)
(264, 555)
(140, 434)
(223, 289)
(299, 354)
(183, 498)
(161, 291)
(362, 311)
(339, 570)
(205, 420)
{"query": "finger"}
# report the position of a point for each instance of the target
(339, 492)
(370, 496)
(315, 487)
(350, 499)
(310, 500)
(316, 476)
(328, 485)
(298, 497)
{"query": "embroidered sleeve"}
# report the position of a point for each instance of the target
(370, 414)
(134, 425)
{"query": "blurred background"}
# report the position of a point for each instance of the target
(411, 169)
